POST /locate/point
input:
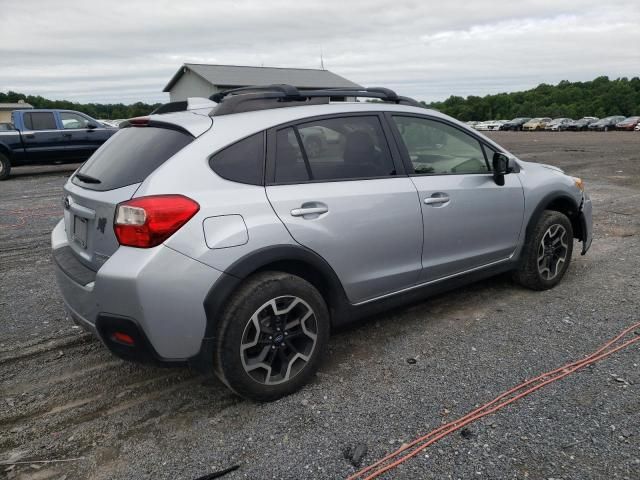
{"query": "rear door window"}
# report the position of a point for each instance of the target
(291, 165)
(40, 121)
(130, 156)
(346, 148)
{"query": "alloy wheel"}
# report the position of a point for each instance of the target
(279, 340)
(552, 252)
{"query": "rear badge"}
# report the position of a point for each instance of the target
(102, 223)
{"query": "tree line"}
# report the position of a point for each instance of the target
(96, 110)
(598, 98)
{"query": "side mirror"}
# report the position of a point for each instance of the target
(500, 167)
(92, 126)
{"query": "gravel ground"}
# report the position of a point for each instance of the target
(63, 396)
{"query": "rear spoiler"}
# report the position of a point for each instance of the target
(192, 103)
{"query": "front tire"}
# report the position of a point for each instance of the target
(272, 336)
(5, 167)
(547, 253)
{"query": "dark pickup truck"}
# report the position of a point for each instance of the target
(49, 136)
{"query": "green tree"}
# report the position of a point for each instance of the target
(599, 97)
(95, 110)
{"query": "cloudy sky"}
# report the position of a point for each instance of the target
(126, 51)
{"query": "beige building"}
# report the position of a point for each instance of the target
(7, 108)
(199, 80)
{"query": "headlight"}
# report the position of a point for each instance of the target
(579, 183)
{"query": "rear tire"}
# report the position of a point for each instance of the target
(272, 336)
(5, 167)
(547, 253)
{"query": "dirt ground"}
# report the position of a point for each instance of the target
(65, 400)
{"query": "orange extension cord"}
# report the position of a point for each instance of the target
(391, 461)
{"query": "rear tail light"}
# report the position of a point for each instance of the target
(148, 221)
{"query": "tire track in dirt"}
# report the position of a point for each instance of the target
(20, 352)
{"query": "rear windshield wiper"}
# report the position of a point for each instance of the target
(86, 178)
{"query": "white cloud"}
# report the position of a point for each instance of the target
(127, 51)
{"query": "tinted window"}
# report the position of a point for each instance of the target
(436, 148)
(241, 162)
(290, 163)
(334, 149)
(130, 156)
(40, 121)
(73, 120)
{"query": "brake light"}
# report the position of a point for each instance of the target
(148, 221)
(139, 121)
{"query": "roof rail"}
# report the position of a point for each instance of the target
(265, 97)
(287, 90)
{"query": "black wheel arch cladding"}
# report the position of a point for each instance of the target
(560, 202)
(294, 259)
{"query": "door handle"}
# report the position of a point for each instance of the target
(301, 212)
(437, 199)
(67, 135)
(30, 135)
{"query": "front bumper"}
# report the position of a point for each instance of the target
(158, 290)
(586, 222)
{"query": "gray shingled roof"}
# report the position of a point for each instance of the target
(238, 76)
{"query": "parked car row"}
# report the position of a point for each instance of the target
(616, 122)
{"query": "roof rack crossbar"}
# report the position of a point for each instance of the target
(287, 90)
(261, 97)
(282, 95)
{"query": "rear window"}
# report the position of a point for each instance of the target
(129, 157)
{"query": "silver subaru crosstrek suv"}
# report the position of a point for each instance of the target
(233, 234)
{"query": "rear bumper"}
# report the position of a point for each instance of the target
(158, 291)
(586, 222)
(79, 298)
